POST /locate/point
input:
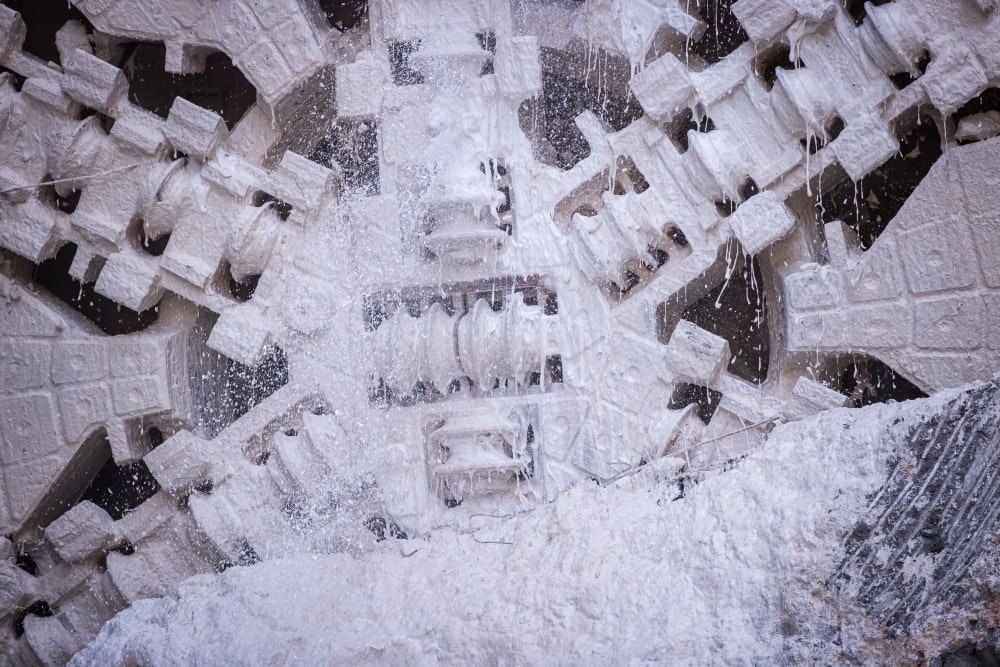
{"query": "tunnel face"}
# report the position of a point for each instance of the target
(219, 87)
(285, 280)
(42, 20)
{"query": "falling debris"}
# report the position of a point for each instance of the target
(373, 292)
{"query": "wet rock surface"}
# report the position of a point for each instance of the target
(922, 553)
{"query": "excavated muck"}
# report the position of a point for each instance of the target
(520, 331)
